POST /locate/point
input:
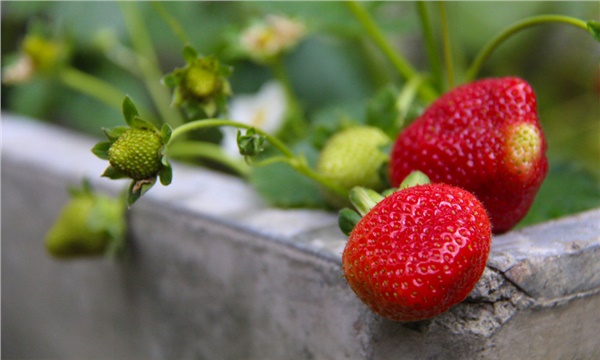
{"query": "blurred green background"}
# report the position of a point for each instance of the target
(336, 65)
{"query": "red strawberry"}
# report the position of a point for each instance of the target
(484, 137)
(418, 252)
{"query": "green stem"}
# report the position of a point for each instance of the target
(447, 47)
(430, 45)
(208, 151)
(488, 49)
(96, 88)
(148, 63)
(400, 63)
(294, 117)
(298, 163)
(172, 22)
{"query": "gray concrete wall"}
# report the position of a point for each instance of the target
(214, 273)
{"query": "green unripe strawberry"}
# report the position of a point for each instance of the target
(353, 157)
(137, 154)
(79, 230)
(202, 82)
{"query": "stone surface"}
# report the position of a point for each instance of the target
(213, 273)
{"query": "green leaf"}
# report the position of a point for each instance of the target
(101, 149)
(347, 220)
(130, 112)
(139, 123)
(166, 173)
(413, 179)
(137, 189)
(569, 188)
(113, 174)
(364, 199)
(170, 80)
(189, 54)
(113, 134)
(283, 187)
(594, 29)
(165, 133)
(382, 111)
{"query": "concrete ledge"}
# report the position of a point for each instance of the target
(214, 273)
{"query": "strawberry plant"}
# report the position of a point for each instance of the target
(475, 131)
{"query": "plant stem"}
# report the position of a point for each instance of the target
(296, 122)
(172, 22)
(298, 163)
(432, 53)
(148, 63)
(400, 63)
(488, 49)
(96, 88)
(208, 151)
(447, 47)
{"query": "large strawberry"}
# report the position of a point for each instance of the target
(418, 252)
(484, 137)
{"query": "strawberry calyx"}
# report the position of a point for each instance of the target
(201, 87)
(364, 199)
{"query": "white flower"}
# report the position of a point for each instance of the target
(19, 72)
(271, 37)
(264, 110)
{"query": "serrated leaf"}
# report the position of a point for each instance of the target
(189, 54)
(113, 134)
(130, 111)
(113, 174)
(101, 149)
(594, 29)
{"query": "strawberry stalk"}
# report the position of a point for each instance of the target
(206, 150)
(403, 67)
(298, 163)
(148, 62)
(488, 49)
(433, 56)
(95, 87)
(447, 47)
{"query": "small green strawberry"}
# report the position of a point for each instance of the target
(201, 87)
(136, 152)
(353, 157)
(89, 225)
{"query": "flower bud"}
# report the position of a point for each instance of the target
(271, 37)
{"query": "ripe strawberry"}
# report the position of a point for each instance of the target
(137, 153)
(418, 251)
(484, 137)
(353, 157)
